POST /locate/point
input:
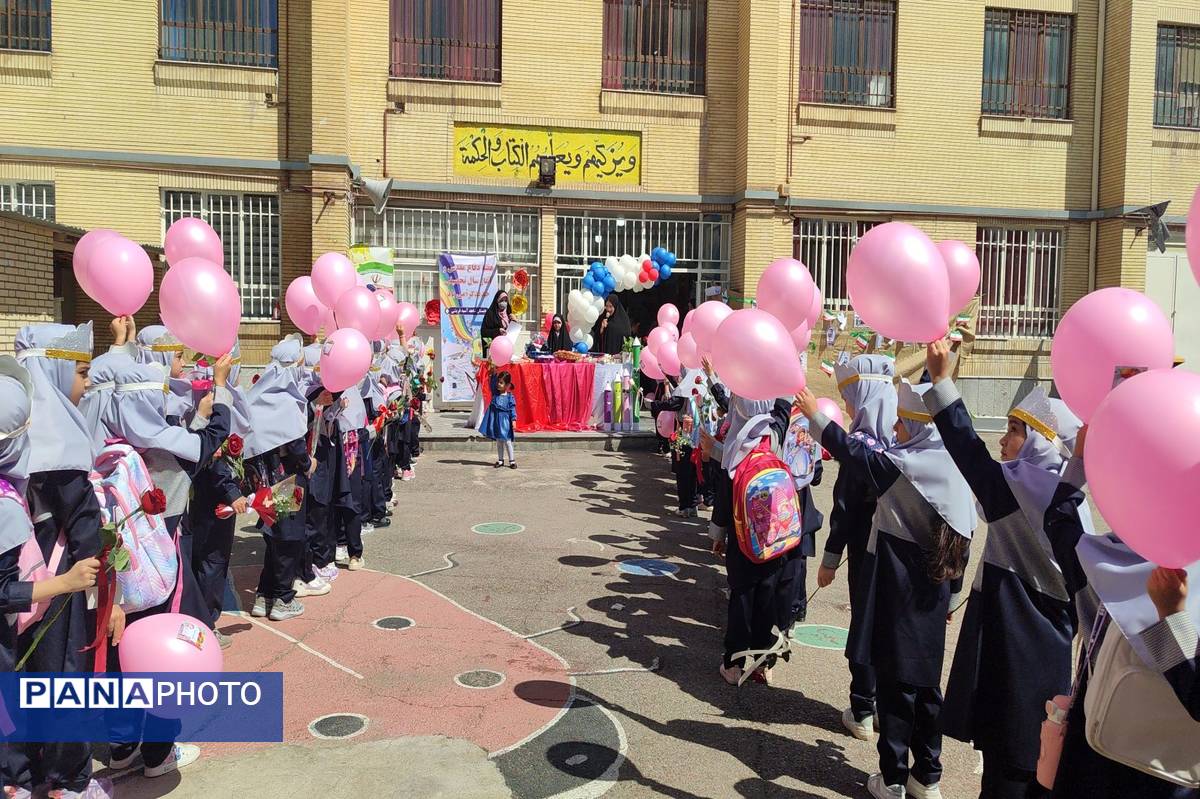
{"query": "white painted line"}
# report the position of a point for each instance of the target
(575, 620)
(628, 670)
(602, 784)
(304, 646)
(450, 564)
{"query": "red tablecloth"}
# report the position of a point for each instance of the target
(550, 396)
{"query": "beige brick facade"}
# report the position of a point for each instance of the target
(112, 127)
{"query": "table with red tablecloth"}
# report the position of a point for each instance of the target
(556, 395)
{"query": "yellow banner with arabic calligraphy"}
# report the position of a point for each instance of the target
(584, 156)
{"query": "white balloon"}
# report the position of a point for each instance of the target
(612, 263)
(592, 316)
(589, 340)
(630, 263)
(576, 335)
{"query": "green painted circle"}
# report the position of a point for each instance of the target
(498, 528)
(820, 636)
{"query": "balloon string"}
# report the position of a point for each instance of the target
(818, 588)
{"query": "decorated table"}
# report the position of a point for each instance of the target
(568, 396)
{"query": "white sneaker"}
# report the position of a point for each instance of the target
(919, 791)
(181, 755)
(862, 730)
(877, 788)
(341, 556)
(96, 789)
(13, 792)
(328, 573)
(284, 611)
(260, 607)
(315, 587)
(367, 528)
(355, 564)
(122, 763)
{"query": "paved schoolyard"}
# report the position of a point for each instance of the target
(535, 660)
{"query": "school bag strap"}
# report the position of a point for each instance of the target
(31, 565)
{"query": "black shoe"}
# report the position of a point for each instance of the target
(512, 465)
(383, 521)
(499, 464)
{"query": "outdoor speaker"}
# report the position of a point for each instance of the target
(378, 190)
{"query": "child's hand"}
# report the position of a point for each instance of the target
(116, 624)
(323, 399)
(240, 505)
(117, 327)
(1168, 590)
(937, 360)
(222, 368)
(806, 401)
(1080, 441)
(825, 576)
(82, 575)
(204, 407)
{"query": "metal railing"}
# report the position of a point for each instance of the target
(1027, 63)
(446, 39)
(241, 33)
(31, 199)
(655, 45)
(824, 245)
(1020, 273)
(847, 52)
(25, 25)
(1177, 77)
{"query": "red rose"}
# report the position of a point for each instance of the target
(254, 379)
(382, 410)
(234, 445)
(154, 502)
(298, 496)
(699, 380)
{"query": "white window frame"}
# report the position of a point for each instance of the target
(29, 198)
(1036, 315)
(822, 245)
(258, 281)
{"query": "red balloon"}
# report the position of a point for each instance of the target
(653, 274)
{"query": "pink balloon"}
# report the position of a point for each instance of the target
(897, 283)
(800, 337)
(345, 359)
(832, 411)
(687, 322)
(817, 309)
(192, 237)
(410, 317)
(1191, 235)
(328, 322)
(500, 351)
(650, 366)
(668, 315)
(302, 305)
(389, 314)
(668, 358)
(1108, 328)
(754, 356)
(164, 642)
(689, 355)
(658, 336)
(84, 249)
(358, 308)
(332, 276)
(200, 305)
(962, 270)
(672, 331)
(785, 291)
(120, 274)
(708, 317)
(1143, 458)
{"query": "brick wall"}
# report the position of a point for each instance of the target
(26, 277)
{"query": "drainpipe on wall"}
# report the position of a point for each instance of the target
(1093, 229)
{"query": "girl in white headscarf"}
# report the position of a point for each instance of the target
(66, 516)
(156, 344)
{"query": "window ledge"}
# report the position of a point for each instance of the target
(660, 104)
(1178, 138)
(26, 67)
(865, 120)
(444, 93)
(192, 78)
(1026, 128)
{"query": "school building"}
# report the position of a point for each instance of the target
(555, 133)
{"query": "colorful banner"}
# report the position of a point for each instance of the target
(583, 156)
(374, 264)
(468, 283)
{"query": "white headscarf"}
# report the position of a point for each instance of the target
(1034, 475)
(16, 389)
(137, 414)
(278, 409)
(749, 421)
(59, 437)
(103, 377)
(156, 344)
(866, 383)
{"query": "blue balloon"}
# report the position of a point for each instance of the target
(581, 347)
(669, 259)
(656, 255)
(610, 283)
(597, 265)
(664, 271)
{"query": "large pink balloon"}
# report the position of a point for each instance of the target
(650, 367)
(686, 327)
(303, 307)
(689, 356)
(1143, 463)
(332, 276)
(897, 283)
(82, 256)
(345, 359)
(832, 411)
(708, 317)
(389, 314)
(668, 358)
(1191, 235)
(500, 351)
(754, 356)
(962, 270)
(410, 317)
(121, 275)
(668, 315)
(1108, 328)
(672, 331)
(328, 322)
(658, 336)
(191, 237)
(167, 642)
(817, 309)
(200, 305)
(800, 337)
(785, 291)
(358, 308)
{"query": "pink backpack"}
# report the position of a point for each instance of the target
(766, 507)
(119, 479)
(30, 563)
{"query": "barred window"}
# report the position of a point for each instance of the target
(30, 199)
(248, 225)
(847, 52)
(446, 39)
(242, 33)
(1027, 63)
(1177, 77)
(1019, 286)
(823, 245)
(655, 45)
(25, 25)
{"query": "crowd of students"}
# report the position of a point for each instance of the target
(207, 443)
(913, 476)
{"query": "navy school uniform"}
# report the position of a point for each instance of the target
(899, 622)
(15, 597)
(318, 502)
(349, 504)
(380, 478)
(286, 540)
(681, 463)
(1014, 648)
(212, 538)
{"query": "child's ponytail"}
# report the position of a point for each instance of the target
(947, 559)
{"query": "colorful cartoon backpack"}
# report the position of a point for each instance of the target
(766, 507)
(119, 479)
(30, 563)
(800, 452)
